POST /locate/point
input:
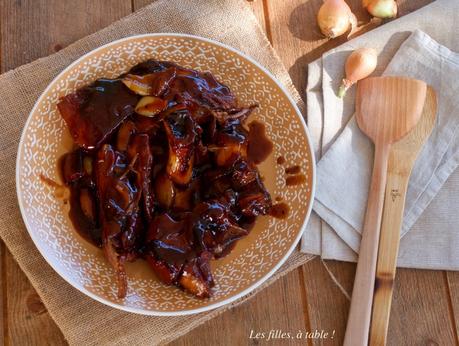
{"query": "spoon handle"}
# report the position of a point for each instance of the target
(358, 324)
(397, 185)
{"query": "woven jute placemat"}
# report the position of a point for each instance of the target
(82, 320)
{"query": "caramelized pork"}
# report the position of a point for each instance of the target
(181, 136)
(119, 191)
(162, 172)
(95, 111)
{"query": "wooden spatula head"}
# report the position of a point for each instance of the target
(388, 107)
(413, 142)
(402, 158)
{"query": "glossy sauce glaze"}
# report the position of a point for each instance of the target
(280, 160)
(176, 185)
(260, 146)
(280, 210)
(295, 179)
(293, 169)
(109, 98)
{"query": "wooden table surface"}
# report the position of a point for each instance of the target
(425, 310)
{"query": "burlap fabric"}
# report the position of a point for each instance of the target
(82, 320)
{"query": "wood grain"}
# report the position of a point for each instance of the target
(136, 4)
(28, 322)
(387, 108)
(3, 301)
(258, 10)
(328, 307)
(421, 312)
(452, 280)
(291, 26)
(297, 40)
(29, 30)
(35, 28)
(402, 157)
(273, 308)
(277, 307)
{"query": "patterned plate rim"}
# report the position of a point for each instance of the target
(230, 299)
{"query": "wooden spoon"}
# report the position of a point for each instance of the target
(387, 108)
(401, 160)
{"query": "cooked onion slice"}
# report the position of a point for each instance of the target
(150, 106)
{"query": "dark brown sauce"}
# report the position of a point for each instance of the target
(280, 211)
(85, 227)
(169, 239)
(278, 199)
(295, 179)
(260, 146)
(93, 112)
(248, 223)
(199, 144)
(77, 180)
(293, 169)
(280, 160)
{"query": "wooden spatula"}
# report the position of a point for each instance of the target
(402, 157)
(387, 108)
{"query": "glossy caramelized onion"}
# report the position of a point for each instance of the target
(161, 171)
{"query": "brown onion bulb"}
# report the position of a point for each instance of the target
(335, 18)
(381, 8)
(359, 64)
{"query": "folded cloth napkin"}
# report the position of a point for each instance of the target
(82, 320)
(429, 231)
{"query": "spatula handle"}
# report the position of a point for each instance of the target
(358, 324)
(389, 242)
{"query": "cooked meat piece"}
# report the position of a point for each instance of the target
(126, 130)
(181, 135)
(235, 113)
(254, 200)
(242, 174)
(154, 84)
(190, 85)
(139, 150)
(95, 111)
(150, 66)
(215, 228)
(231, 141)
(119, 192)
(201, 88)
(162, 171)
(168, 246)
(196, 277)
(84, 210)
(173, 258)
(71, 166)
(166, 273)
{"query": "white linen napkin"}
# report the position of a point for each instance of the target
(430, 229)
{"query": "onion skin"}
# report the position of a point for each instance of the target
(335, 18)
(359, 64)
(381, 8)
